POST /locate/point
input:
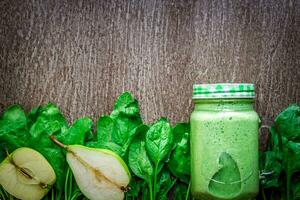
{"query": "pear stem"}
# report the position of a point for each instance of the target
(58, 143)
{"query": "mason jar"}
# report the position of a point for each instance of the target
(224, 142)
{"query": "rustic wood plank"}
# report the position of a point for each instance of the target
(83, 54)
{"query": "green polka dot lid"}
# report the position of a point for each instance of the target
(223, 91)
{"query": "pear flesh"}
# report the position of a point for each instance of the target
(100, 174)
(26, 174)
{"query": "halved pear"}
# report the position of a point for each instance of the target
(100, 174)
(26, 174)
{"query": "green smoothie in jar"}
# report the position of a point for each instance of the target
(224, 142)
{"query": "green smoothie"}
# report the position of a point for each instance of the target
(224, 149)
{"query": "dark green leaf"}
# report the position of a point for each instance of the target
(13, 119)
(108, 145)
(146, 192)
(13, 129)
(10, 142)
(180, 191)
(33, 115)
(288, 123)
(116, 131)
(291, 164)
(49, 121)
(296, 191)
(141, 129)
(2, 156)
(135, 186)
(159, 141)
(125, 105)
(271, 162)
(124, 129)
(179, 163)
(113, 147)
(139, 161)
(105, 129)
(179, 130)
(164, 185)
(77, 133)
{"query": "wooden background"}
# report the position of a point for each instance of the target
(82, 54)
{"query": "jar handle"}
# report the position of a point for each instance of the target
(264, 134)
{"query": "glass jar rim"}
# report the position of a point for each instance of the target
(224, 91)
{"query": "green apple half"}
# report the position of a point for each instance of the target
(26, 174)
(99, 173)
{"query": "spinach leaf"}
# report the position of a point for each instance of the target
(126, 118)
(49, 120)
(141, 129)
(77, 133)
(146, 192)
(291, 165)
(164, 185)
(139, 162)
(135, 186)
(159, 142)
(296, 191)
(10, 142)
(124, 129)
(179, 163)
(14, 133)
(105, 129)
(116, 131)
(283, 155)
(13, 119)
(108, 145)
(33, 115)
(108, 130)
(288, 123)
(13, 129)
(181, 192)
(179, 130)
(272, 162)
(125, 105)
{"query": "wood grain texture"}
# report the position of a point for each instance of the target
(83, 54)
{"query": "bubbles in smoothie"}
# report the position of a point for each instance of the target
(226, 182)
